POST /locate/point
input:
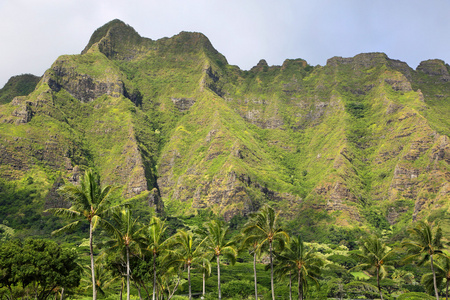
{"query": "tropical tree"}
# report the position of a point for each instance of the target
(251, 243)
(424, 243)
(40, 266)
(103, 278)
(126, 232)
(156, 244)
(90, 201)
(375, 257)
(264, 228)
(299, 263)
(442, 269)
(217, 244)
(187, 253)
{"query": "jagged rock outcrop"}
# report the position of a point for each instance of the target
(436, 68)
(82, 86)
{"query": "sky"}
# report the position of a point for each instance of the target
(33, 33)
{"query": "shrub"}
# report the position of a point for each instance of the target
(415, 296)
(244, 288)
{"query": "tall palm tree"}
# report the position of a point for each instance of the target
(90, 201)
(187, 253)
(126, 234)
(103, 278)
(375, 256)
(299, 263)
(216, 243)
(155, 244)
(425, 242)
(264, 227)
(442, 269)
(251, 243)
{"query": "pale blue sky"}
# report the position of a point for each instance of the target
(35, 32)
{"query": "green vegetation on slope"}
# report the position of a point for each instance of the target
(359, 142)
(20, 85)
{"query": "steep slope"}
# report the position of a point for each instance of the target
(362, 140)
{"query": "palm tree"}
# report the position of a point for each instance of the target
(375, 256)
(126, 233)
(299, 263)
(103, 278)
(156, 244)
(442, 269)
(425, 242)
(89, 201)
(187, 253)
(251, 242)
(264, 228)
(217, 244)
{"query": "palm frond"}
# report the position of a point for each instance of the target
(64, 212)
(67, 228)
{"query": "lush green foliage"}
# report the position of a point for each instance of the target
(37, 268)
(20, 85)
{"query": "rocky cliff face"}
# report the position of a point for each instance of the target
(364, 139)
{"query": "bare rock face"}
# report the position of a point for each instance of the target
(441, 150)
(154, 200)
(263, 113)
(81, 86)
(53, 199)
(394, 213)
(400, 84)
(404, 182)
(165, 180)
(360, 61)
(436, 68)
(183, 104)
(24, 111)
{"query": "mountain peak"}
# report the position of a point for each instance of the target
(435, 67)
(116, 32)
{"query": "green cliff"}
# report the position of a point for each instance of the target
(361, 141)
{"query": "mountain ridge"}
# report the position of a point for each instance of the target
(361, 140)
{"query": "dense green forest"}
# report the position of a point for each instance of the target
(140, 254)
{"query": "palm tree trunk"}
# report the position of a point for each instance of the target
(204, 280)
(189, 280)
(62, 294)
(154, 275)
(290, 285)
(271, 271)
(300, 287)
(434, 277)
(121, 289)
(254, 273)
(378, 283)
(446, 291)
(91, 250)
(218, 277)
(128, 273)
